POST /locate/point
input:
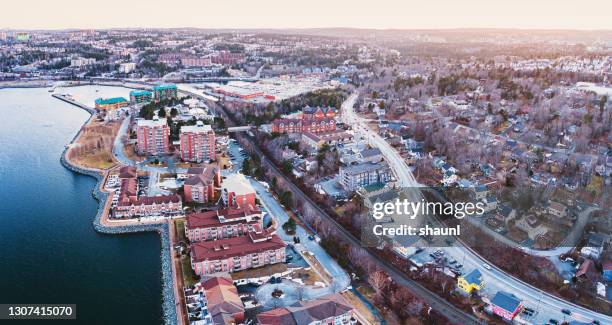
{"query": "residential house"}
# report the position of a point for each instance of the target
(532, 226)
(594, 246)
(557, 209)
(470, 282)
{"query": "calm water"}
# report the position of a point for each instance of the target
(49, 251)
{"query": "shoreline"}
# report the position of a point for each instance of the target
(163, 228)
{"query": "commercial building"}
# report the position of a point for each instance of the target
(330, 309)
(153, 136)
(111, 103)
(226, 223)
(140, 96)
(168, 91)
(200, 186)
(253, 250)
(506, 305)
(363, 174)
(237, 191)
(197, 143)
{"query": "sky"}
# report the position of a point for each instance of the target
(380, 14)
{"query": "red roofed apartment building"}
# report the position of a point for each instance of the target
(200, 186)
(197, 143)
(166, 205)
(238, 253)
(130, 205)
(330, 309)
(227, 223)
(237, 191)
(222, 301)
(314, 120)
(152, 137)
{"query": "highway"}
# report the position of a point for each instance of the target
(548, 305)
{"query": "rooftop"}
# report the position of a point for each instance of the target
(506, 301)
(140, 93)
(156, 122)
(211, 218)
(306, 312)
(233, 247)
(198, 128)
(110, 101)
(363, 168)
(238, 184)
(165, 87)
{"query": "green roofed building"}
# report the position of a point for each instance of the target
(140, 96)
(168, 91)
(111, 103)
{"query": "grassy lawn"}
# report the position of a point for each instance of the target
(180, 230)
(260, 271)
(189, 277)
(100, 160)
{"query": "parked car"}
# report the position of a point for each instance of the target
(486, 266)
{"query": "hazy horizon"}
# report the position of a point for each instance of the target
(277, 14)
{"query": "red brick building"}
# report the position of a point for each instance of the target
(506, 305)
(254, 250)
(226, 223)
(197, 143)
(201, 185)
(238, 192)
(314, 120)
(153, 136)
(330, 309)
(222, 301)
(147, 206)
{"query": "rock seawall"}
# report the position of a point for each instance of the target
(168, 298)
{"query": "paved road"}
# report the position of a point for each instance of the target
(341, 279)
(549, 305)
(399, 166)
(439, 304)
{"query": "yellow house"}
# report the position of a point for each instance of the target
(471, 281)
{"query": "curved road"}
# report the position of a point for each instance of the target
(549, 305)
(439, 304)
